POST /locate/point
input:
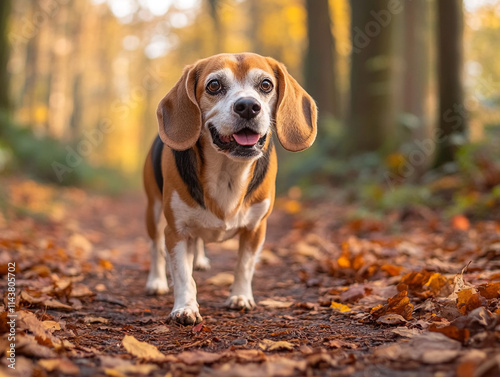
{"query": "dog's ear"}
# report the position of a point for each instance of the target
(296, 112)
(179, 116)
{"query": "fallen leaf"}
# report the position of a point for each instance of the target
(55, 304)
(469, 363)
(80, 290)
(106, 264)
(222, 278)
(399, 304)
(355, 292)
(428, 348)
(142, 350)
(271, 345)
(453, 332)
(489, 290)
(392, 319)
(51, 325)
(274, 304)
(92, 319)
(340, 307)
(406, 332)
(63, 366)
(468, 300)
(250, 355)
(199, 357)
(131, 369)
(460, 222)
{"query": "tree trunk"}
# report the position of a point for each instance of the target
(374, 76)
(218, 27)
(320, 59)
(4, 55)
(452, 121)
(416, 66)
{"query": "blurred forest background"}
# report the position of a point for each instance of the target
(408, 91)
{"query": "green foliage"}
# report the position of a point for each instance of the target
(25, 153)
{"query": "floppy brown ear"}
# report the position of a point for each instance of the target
(296, 113)
(178, 113)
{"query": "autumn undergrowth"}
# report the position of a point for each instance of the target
(24, 152)
(380, 183)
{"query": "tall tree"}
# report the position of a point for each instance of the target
(452, 124)
(374, 75)
(4, 54)
(214, 6)
(320, 58)
(416, 65)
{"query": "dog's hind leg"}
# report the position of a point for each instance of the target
(201, 262)
(155, 220)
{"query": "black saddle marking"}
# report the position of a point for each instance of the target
(156, 153)
(261, 168)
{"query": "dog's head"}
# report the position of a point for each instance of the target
(235, 99)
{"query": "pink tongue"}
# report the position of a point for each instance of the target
(246, 138)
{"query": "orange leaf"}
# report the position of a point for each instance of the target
(453, 332)
(490, 290)
(468, 300)
(399, 304)
(460, 222)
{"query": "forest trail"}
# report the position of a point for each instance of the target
(336, 296)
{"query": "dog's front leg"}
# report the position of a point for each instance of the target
(251, 242)
(186, 310)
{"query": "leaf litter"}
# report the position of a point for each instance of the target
(336, 296)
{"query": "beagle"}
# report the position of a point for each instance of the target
(210, 174)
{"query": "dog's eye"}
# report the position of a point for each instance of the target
(266, 86)
(214, 87)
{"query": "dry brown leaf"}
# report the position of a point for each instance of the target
(27, 321)
(468, 300)
(131, 369)
(425, 284)
(92, 319)
(142, 350)
(469, 363)
(428, 348)
(63, 366)
(392, 319)
(489, 290)
(355, 292)
(406, 332)
(199, 357)
(453, 332)
(51, 326)
(55, 304)
(221, 279)
(271, 345)
(250, 355)
(80, 290)
(460, 222)
(399, 304)
(29, 346)
(274, 304)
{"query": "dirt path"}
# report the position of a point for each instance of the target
(337, 297)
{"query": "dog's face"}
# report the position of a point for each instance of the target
(234, 100)
(237, 109)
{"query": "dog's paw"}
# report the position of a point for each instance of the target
(185, 316)
(156, 286)
(239, 302)
(202, 264)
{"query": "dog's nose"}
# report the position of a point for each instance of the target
(247, 107)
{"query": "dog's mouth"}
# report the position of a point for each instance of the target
(244, 143)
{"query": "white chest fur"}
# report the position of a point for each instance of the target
(199, 222)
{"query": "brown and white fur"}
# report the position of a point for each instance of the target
(210, 175)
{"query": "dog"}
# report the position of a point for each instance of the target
(210, 174)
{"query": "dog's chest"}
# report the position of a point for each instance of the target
(200, 222)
